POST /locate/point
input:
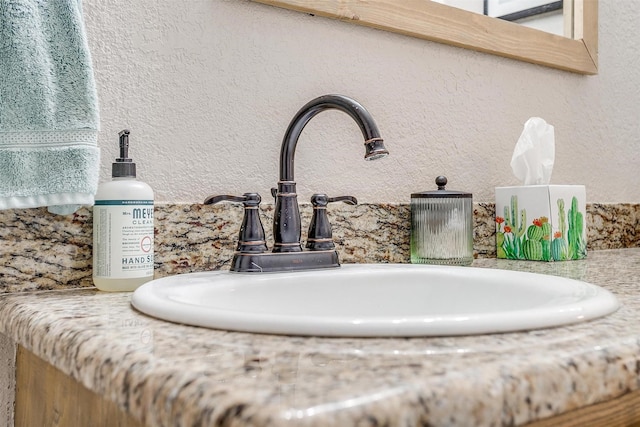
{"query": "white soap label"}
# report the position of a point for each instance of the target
(123, 238)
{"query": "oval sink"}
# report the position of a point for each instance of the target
(364, 300)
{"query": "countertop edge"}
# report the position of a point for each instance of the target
(157, 390)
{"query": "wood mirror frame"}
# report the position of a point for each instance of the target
(445, 24)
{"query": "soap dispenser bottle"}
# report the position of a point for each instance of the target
(123, 227)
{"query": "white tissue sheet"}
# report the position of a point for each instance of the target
(534, 154)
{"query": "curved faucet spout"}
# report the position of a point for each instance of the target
(286, 221)
(373, 142)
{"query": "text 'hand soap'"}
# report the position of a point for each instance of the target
(123, 227)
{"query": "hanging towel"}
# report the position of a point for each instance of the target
(48, 107)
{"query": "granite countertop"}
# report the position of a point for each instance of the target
(174, 375)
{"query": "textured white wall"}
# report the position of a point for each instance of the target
(208, 87)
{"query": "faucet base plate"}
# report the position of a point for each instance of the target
(283, 261)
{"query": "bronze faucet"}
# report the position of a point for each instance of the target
(287, 253)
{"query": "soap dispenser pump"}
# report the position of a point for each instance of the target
(442, 226)
(123, 227)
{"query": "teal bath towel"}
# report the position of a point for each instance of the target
(48, 107)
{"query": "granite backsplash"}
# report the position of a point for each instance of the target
(41, 251)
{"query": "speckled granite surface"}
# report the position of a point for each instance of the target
(173, 375)
(42, 251)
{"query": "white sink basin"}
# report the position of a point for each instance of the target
(366, 300)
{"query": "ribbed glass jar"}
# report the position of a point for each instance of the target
(442, 227)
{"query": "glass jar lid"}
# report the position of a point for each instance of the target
(441, 182)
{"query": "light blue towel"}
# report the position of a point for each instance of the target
(48, 107)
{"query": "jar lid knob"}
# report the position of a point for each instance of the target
(441, 181)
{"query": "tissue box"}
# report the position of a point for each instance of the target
(541, 222)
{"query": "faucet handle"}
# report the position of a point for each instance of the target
(212, 200)
(320, 237)
(251, 237)
(350, 200)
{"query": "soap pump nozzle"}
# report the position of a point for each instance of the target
(124, 166)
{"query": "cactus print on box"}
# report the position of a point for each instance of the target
(516, 239)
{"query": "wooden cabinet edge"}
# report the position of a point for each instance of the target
(45, 396)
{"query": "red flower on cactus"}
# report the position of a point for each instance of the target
(557, 235)
(537, 222)
(507, 229)
(499, 219)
